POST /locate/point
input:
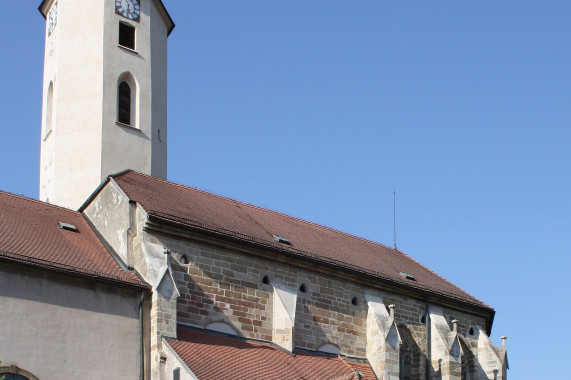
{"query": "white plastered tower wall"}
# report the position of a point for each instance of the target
(84, 64)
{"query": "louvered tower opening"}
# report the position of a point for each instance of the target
(124, 103)
(127, 35)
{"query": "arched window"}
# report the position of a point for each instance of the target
(14, 373)
(329, 348)
(409, 360)
(222, 327)
(405, 362)
(124, 104)
(464, 373)
(468, 360)
(49, 111)
(12, 376)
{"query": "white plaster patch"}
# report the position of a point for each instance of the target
(288, 298)
(155, 260)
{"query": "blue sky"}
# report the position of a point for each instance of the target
(321, 109)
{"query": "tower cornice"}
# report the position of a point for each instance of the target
(45, 5)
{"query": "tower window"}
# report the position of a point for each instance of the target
(49, 110)
(127, 35)
(124, 104)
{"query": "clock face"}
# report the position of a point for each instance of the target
(52, 19)
(128, 8)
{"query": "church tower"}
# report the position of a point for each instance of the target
(105, 94)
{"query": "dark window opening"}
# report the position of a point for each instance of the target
(405, 362)
(266, 280)
(355, 301)
(127, 35)
(124, 108)
(302, 288)
(12, 376)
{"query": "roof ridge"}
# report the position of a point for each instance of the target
(25, 198)
(259, 208)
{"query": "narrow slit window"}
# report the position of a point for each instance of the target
(124, 104)
(49, 110)
(127, 35)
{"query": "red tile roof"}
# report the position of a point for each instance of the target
(30, 234)
(254, 225)
(211, 356)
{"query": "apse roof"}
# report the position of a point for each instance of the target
(213, 356)
(248, 224)
(55, 238)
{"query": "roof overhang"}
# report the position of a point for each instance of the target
(14, 258)
(291, 253)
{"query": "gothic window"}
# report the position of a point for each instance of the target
(49, 111)
(464, 373)
(405, 362)
(124, 104)
(127, 35)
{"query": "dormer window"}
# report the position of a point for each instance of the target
(126, 35)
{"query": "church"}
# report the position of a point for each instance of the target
(117, 273)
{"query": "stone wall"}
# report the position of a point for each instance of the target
(222, 284)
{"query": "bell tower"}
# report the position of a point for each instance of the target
(105, 94)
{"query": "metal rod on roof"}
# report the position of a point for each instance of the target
(395, 217)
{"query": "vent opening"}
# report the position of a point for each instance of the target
(67, 226)
(282, 239)
(303, 288)
(408, 276)
(266, 280)
(423, 318)
(471, 331)
(355, 301)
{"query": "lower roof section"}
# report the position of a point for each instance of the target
(213, 356)
(54, 238)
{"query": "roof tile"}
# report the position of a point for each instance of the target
(30, 233)
(200, 209)
(212, 356)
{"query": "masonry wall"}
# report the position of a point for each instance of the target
(223, 284)
(57, 327)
